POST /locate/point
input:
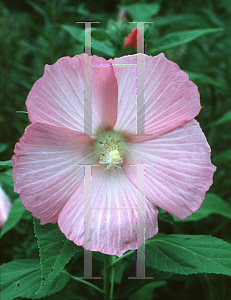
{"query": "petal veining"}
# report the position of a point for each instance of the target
(47, 168)
(113, 211)
(178, 171)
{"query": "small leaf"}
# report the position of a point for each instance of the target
(15, 215)
(212, 204)
(225, 118)
(142, 11)
(188, 254)
(166, 217)
(21, 112)
(176, 39)
(3, 147)
(21, 278)
(55, 250)
(5, 164)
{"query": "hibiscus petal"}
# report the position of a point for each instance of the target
(170, 98)
(44, 168)
(58, 97)
(5, 206)
(113, 211)
(104, 94)
(180, 170)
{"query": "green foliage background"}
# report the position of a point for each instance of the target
(197, 36)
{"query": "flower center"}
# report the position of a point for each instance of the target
(112, 155)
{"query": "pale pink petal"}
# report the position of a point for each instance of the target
(114, 214)
(45, 170)
(180, 170)
(170, 98)
(104, 94)
(58, 97)
(5, 206)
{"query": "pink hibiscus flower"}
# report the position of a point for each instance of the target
(48, 169)
(5, 206)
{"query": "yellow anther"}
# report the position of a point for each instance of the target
(111, 154)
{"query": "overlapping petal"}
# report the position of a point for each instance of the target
(114, 214)
(104, 94)
(58, 97)
(170, 98)
(47, 168)
(178, 171)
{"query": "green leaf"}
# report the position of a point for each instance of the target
(202, 78)
(5, 164)
(82, 11)
(99, 34)
(39, 10)
(183, 19)
(213, 286)
(127, 286)
(103, 48)
(6, 181)
(212, 204)
(188, 254)
(3, 147)
(119, 269)
(147, 291)
(166, 217)
(15, 215)
(78, 48)
(21, 278)
(75, 31)
(67, 294)
(223, 157)
(55, 250)
(225, 118)
(176, 39)
(142, 12)
(101, 45)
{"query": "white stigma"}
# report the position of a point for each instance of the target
(111, 155)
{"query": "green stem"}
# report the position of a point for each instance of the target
(122, 257)
(109, 276)
(106, 277)
(87, 283)
(112, 276)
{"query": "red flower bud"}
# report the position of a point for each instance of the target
(131, 39)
